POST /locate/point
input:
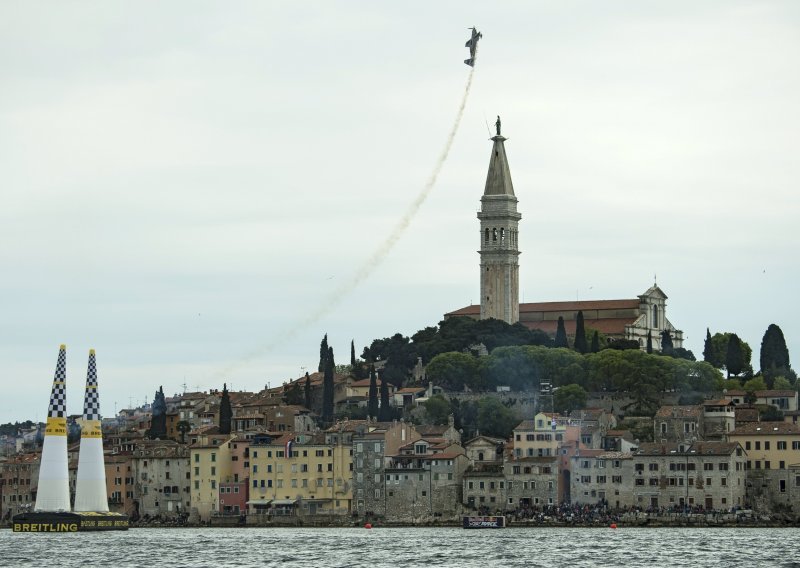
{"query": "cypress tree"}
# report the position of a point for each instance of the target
(323, 353)
(666, 343)
(372, 405)
(595, 342)
(774, 354)
(352, 354)
(649, 341)
(708, 348)
(158, 416)
(561, 334)
(307, 392)
(734, 359)
(225, 411)
(327, 388)
(384, 413)
(580, 335)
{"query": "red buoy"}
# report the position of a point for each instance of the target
(368, 526)
(613, 525)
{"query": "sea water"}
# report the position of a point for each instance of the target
(404, 547)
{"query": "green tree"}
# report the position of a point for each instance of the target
(372, 403)
(781, 383)
(323, 353)
(595, 342)
(569, 398)
(514, 367)
(495, 419)
(708, 349)
(755, 384)
(667, 347)
(307, 392)
(327, 387)
(352, 353)
(580, 335)
(453, 371)
(734, 359)
(292, 393)
(774, 356)
(225, 411)
(437, 409)
(719, 351)
(183, 427)
(158, 418)
(649, 341)
(561, 334)
(385, 411)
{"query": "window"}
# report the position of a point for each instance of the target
(781, 445)
(213, 457)
(652, 466)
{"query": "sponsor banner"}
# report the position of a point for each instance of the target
(91, 429)
(56, 427)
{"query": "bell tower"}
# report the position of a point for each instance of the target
(499, 250)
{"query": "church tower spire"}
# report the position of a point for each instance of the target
(499, 251)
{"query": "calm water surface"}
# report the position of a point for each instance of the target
(379, 548)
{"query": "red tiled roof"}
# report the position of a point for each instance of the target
(569, 306)
(765, 429)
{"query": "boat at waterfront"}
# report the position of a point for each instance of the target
(485, 522)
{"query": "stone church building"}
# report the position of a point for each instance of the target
(499, 276)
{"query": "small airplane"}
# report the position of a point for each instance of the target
(472, 44)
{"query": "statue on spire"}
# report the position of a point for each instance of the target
(497, 125)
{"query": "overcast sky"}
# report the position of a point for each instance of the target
(188, 187)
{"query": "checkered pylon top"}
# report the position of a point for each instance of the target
(91, 401)
(58, 396)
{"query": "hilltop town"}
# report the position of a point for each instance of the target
(274, 456)
(574, 411)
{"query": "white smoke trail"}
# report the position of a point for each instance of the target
(333, 299)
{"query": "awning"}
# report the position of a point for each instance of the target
(284, 502)
(257, 502)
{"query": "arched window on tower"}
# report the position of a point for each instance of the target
(502, 236)
(486, 238)
(494, 233)
(655, 317)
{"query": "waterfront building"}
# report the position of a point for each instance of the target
(372, 443)
(210, 465)
(532, 481)
(710, 475)
(773, 463)
(603, 476)
(301, 474)
(424, 479)
(19, 475)
(162, 478)
(484, 488)
(120, 485)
